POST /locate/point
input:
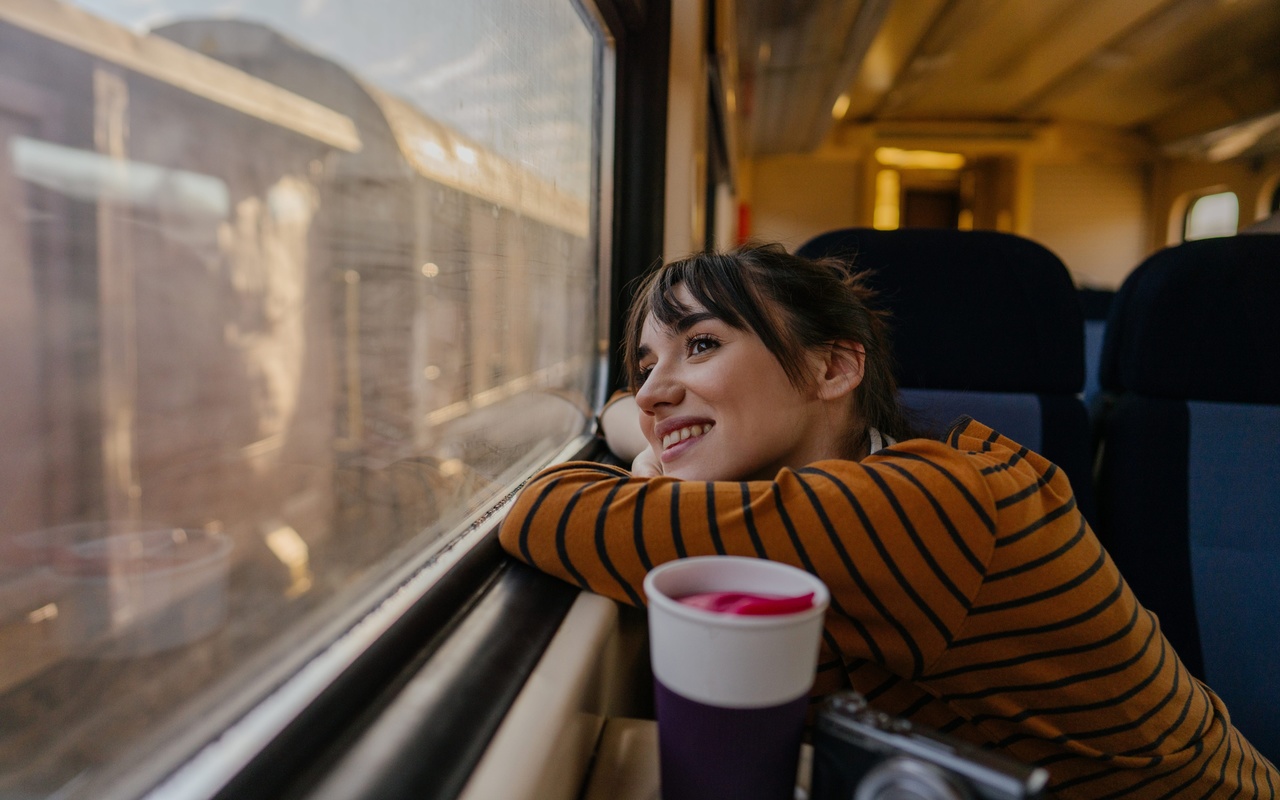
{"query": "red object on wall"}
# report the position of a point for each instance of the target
(744, 222)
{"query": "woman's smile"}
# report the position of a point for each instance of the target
(680, 438)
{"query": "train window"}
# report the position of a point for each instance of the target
(288, 298)
(1212, 215)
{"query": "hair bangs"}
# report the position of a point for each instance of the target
(718, 289)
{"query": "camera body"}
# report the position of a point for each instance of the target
(863, 754)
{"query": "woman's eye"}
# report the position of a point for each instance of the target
(702, 344)
(641, 375)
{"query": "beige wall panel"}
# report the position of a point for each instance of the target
(1092, 216)
(795, 198)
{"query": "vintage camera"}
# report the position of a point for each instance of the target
(862, 754)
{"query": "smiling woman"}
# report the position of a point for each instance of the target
(774, 359)
(968, 593)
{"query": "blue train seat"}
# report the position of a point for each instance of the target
(1189, 478)
(986, 324)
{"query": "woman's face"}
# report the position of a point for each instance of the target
(715, 404)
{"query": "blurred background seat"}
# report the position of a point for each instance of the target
(986, 324)
(1189, 477)
(1095, 304)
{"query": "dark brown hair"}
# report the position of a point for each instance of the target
(793, 304)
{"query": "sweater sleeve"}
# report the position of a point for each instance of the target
(902, 538)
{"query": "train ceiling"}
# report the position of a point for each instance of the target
(1188, 74)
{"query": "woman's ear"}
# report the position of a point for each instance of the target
(843, 366)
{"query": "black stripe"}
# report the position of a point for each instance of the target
(796, 544)
(1054, 591)
(1253, 774)
(1047, 654)
(1028, 491)
(712, 522)
(525, 553)
(1057, 513)
(885, 685)
(1042, 560)
(1199, 751)
(1239, 769)
(749, 519)
(917, 658)
(1061, 682)
(1097, 609)
(602, 548)
(961, 425)
(1154, 744)
(951, 531)
(1222, 771)
(846, 665)
(1009, 463)
(832, 664)
(925, 608)
(1100, 704)
(1204, 766)
(876, 653)
(676, 536)
(916, 707)
(562, 549)
(872, 647)
(987, 521)
(637, 532)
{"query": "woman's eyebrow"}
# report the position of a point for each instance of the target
(679, 326)
(689, 320)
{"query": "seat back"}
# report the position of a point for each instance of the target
(986, 324)
(1189, 481)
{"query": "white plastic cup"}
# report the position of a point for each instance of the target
(731, 690)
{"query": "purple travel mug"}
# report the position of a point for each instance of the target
(731, 689)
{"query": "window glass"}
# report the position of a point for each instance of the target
(292, 288)
(1212, 215)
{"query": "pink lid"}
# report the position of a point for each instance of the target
(757, 605)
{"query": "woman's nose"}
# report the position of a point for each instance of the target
(659, 388)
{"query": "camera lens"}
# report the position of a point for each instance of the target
(908, 779)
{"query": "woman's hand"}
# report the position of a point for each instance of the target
(620, 426)
(646, 465)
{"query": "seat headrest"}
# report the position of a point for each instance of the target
(972, 310)
(1198, 321)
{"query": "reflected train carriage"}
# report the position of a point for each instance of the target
(247, 361)
(298, 294)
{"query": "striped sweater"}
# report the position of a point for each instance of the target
(967, 594)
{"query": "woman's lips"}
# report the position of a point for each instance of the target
(681, 439)
(687, 432)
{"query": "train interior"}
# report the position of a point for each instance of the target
(298, 296)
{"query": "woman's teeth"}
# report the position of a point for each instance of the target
(684, 433)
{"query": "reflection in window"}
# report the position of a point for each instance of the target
(286, 300)
(1212, 215)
